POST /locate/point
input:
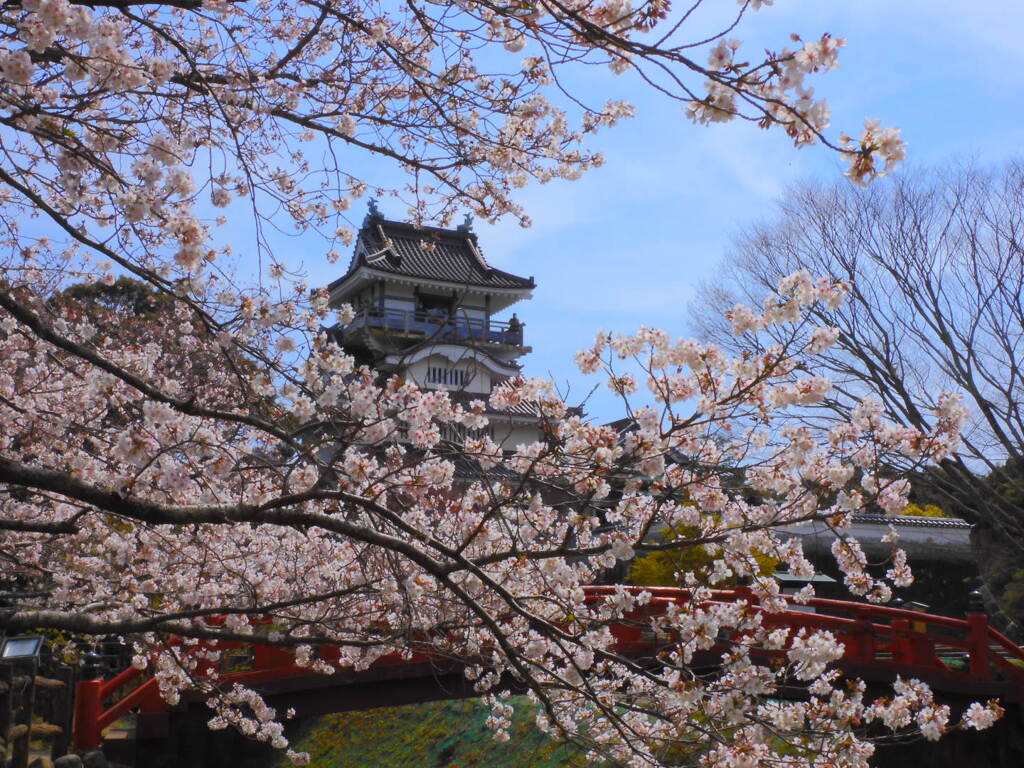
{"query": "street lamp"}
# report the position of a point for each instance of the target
(21, 648)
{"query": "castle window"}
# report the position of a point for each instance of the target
(436, 306)
(457, 434)
(452, 377)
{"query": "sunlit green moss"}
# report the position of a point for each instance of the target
(449, 734)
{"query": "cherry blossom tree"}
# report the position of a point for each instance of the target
(935, 260)
(144, 510)
(248, 481)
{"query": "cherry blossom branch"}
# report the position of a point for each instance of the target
(45, 332)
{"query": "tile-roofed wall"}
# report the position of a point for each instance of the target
(912, 520)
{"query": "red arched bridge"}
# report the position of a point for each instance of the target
(961, 657)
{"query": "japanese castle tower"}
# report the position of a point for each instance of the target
(425, 299)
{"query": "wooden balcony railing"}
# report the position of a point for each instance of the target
(440, 327)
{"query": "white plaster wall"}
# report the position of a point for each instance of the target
(510, 435)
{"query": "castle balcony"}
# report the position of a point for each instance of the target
(424, 325)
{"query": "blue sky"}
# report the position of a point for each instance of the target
(627, 244)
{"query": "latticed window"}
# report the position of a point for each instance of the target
(453, 377)
(455, 433)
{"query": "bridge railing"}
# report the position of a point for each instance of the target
(95, 712)
(100, 703)
(874, 636)
(876, 639)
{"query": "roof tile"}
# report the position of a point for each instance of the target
(429, 253)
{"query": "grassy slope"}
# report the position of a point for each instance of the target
(448, 734)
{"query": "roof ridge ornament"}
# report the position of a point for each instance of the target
(466, 225)
(372, 212)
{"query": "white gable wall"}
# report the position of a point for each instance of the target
(509, 435)
(468, 374)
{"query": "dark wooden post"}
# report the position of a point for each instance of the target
(6, 709)
(62, 714)
(19, 756)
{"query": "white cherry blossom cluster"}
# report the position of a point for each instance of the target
(877, 145)
(781, 96)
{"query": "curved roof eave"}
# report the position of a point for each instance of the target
(363, 273)
(458, 353)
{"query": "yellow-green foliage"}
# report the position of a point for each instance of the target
(658, 569)
(442, 733)
(928, 510)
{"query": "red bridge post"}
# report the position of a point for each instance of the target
(977, 639)
(88, 706)
(863, 641)
(902, 651)
(744, 592)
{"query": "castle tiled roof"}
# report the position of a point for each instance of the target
(522, 409)
(428, 253)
